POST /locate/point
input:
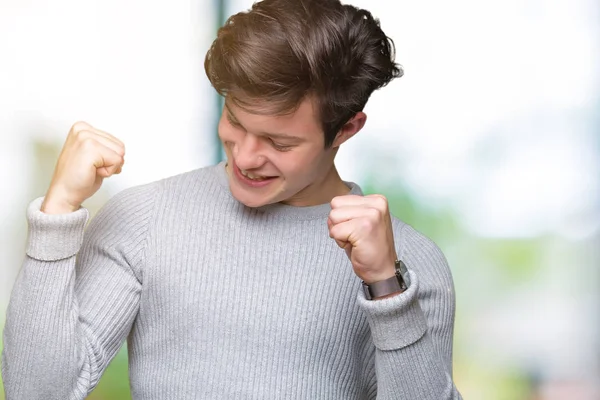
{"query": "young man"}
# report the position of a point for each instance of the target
(229, 282)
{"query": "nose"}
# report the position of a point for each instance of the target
(248, 155)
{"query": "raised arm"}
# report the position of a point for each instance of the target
(77, 293)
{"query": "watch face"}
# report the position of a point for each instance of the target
(402, 273)
(366, 291)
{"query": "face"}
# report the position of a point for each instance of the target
(278, 158)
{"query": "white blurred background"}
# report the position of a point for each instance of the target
(490, 144)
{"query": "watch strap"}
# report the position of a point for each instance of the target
(397, 283)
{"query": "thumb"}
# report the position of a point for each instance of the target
(104, 172)
(108, 163)
(342, 244)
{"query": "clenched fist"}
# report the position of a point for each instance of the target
(88, 156)
(362, 226)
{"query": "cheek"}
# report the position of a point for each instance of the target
(228, 133)
(307, 163)
(225, 131)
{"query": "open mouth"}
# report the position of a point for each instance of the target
(252, 179)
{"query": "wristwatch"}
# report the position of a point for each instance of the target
(397, 283)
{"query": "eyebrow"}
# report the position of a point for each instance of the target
(270, 134)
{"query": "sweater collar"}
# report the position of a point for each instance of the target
(280, 209)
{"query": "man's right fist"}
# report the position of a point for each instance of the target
(88, 156)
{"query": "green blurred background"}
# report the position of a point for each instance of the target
(490, 145)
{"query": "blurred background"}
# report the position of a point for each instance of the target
(490, 145)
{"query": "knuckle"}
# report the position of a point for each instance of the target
(80, 126)
(333, 234)
(374, 214)
(83, 136)
(87, 143)
(336, 201)
(379, 201)
(334, 214)
(86, 140)
(332, 231)
(367, 224)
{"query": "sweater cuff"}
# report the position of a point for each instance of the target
(397, 321)
(54, 237)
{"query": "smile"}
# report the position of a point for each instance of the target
(251, 179)
(252, 176)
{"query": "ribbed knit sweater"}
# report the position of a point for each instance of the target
(220, 301)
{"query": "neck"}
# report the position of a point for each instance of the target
(336, 185)
(321, 191)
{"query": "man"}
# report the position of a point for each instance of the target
(228, 281)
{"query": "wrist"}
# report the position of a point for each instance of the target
(380, 275)
(55, 204)
(374, 278)
(389, 287)
(387, 296)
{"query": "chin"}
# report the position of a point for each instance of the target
(250, 201)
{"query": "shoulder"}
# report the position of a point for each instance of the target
(145, 196)
(418, 248)
(435, 290)
(425, 258)
(196, 179)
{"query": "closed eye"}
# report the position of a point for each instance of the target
(279, 146)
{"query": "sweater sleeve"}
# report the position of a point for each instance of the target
(75, 298)
(412, 332)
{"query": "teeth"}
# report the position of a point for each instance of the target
(252, 176)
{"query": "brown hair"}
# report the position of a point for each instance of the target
(281, 51)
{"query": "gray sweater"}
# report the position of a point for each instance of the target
(220, 301)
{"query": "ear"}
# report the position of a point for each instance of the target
(350, 128)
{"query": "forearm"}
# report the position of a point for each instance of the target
(409, 363)
(46, 354)
(414, 372)
(72, 304)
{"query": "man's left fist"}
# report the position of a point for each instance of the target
(362, 226)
